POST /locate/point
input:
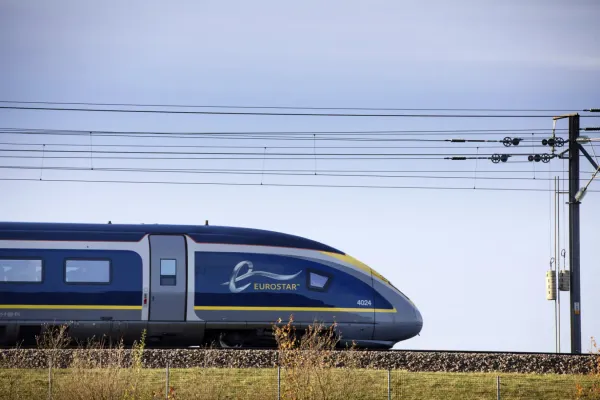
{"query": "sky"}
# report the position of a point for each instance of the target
(473, 261)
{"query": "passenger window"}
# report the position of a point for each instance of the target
(87, 271)
(168, 272)
(317, 281)
(25, 271)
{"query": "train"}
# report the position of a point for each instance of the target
(190, 285)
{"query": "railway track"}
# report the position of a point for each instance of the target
(415, 360)
(488, 352)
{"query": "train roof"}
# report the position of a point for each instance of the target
(135, 232)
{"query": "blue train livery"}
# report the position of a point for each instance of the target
(189, 285)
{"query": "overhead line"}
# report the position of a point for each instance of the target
(309, 171)
(281, 185)
(251, 146)
(271, 114)
(278, 133)
(287, 107)
(310, 158)
(386, 138)
(258, 172)
(302, 157)
(261, 154)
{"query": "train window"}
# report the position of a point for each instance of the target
(12, 270)
(168, 272)
(317, 281)
(87, 271)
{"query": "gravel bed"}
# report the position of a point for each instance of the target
(403, 360)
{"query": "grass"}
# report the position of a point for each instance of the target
(261, 383)
(306, 372)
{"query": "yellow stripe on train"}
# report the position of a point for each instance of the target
(66, 307)
(356, 263)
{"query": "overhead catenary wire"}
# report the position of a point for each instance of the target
(360, 153)
(92, 151)
(306, 171)
(341, 158)
(453, 144)
(405, 132)
(274, 114)
(285, 107)
(352, 139)
(329, 186)
(246, 146)
(290, 157)
(222, 153)
(229, 158)
(95, 150)
(325, 173)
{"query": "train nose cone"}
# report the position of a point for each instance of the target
(409, 321)
(417, 324)
(404, 323)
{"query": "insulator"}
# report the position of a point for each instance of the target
(537, 158)
(564, 280)
(516, 141)
(530, 157)
(550, 285)
(545, 142)
(503, 158)
(551, 142)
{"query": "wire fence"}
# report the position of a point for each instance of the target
(281, 383)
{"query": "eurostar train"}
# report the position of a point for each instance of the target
(189, 285)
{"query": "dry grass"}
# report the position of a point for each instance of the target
(591, 388)
(261, 383)
(11, 381)
(306, 367)
(99, 378)
(306, 362)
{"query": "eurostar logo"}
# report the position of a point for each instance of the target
(236, 278)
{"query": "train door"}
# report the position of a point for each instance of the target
(168, 278)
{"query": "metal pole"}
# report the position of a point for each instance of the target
(389, 384)
(278, 382)
(556, 270)
(558, 259)
(167, 382)
(574, 234)
(498, 387)
(50, 380)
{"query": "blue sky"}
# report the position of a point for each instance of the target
(473, 261)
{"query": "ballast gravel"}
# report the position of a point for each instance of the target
(395, 359)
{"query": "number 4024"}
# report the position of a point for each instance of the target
(364, 302)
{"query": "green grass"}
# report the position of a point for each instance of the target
(230, 383)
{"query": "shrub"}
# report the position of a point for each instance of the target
(591, 388)
(308, 369)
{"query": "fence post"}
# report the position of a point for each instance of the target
(49, 380)
(167, 382)
(498, 387)
(278, 382)
(389, 384)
